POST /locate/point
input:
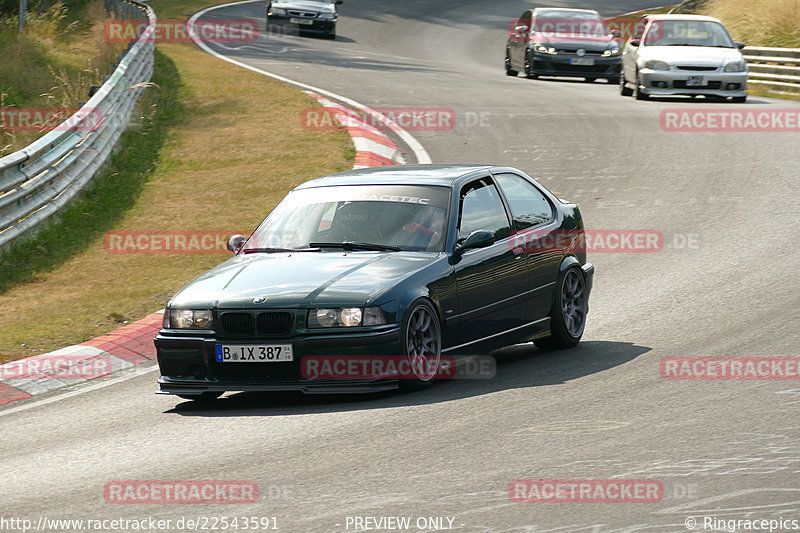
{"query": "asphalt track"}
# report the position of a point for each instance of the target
(723, 449)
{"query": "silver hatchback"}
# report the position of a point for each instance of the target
(683, 55)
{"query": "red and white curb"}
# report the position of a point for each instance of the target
(133, 344)
(373, 148)
(98, 358)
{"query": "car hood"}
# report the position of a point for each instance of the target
(309, 6)
(301, 279)
(690, 55)
(587, 42)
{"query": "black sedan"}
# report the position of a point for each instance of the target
(413, 262)
(563, 42)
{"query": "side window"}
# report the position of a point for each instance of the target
(529, 207)
(482, 209)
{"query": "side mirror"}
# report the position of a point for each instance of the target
(616, 33)
(477, 239)
(521, 29)
(235, 243)
(635, 42)
(339, 2)
(739, 44)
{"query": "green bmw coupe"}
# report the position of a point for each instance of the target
(415, 263)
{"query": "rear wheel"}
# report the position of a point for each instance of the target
(568, 311)
(509, 70)
(624, 90)
(422, 341)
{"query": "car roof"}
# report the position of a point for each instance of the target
(682, 17)
(541, 9)
(441, 175)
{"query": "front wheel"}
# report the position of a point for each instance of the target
(637, 89)
(529, 72)
(422, 341)
(568, 312)
(624, 90)
(739, 99)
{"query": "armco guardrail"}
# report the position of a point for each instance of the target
(777, 68)
(40, 179)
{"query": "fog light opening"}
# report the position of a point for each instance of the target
(733, 86)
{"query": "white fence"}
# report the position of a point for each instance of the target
(37, 181)
(776, 68)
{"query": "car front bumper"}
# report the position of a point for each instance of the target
(560, 65)
(671, 82)
(188, 363)
(317, 25)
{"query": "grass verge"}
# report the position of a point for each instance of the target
(231, 146)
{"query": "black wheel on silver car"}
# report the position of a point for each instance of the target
(568, 312)
(624, 90)
(529, 72)
(422, 338)
(509, 70)
(203, 397)
(637, 89)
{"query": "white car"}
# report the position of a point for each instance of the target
(683, 55)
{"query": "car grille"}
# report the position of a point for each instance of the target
(575, 51)
(681, 84)
(274, 323)
(701, 69)
(302, 14)
(267, 323)
(237, 323)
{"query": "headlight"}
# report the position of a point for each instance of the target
(542, 49)
(736, 66)
(655, 64)
(277, 11)
(611, 52)
(188, 319)
(345, 317)
(327, 16)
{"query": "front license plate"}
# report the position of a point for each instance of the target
(696, 81)
(586, 61)
(254, 353)
(295, 20)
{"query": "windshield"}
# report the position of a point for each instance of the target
(687, 33)
(569, 23)
(402, 216)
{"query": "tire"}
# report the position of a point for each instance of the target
(613, 80)
(739, 99)
(203, 397)
(509, 70)
(568, 312)
(421, 335)
(624, 90)
(590, 79)
(529, 73)
(637, 91)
